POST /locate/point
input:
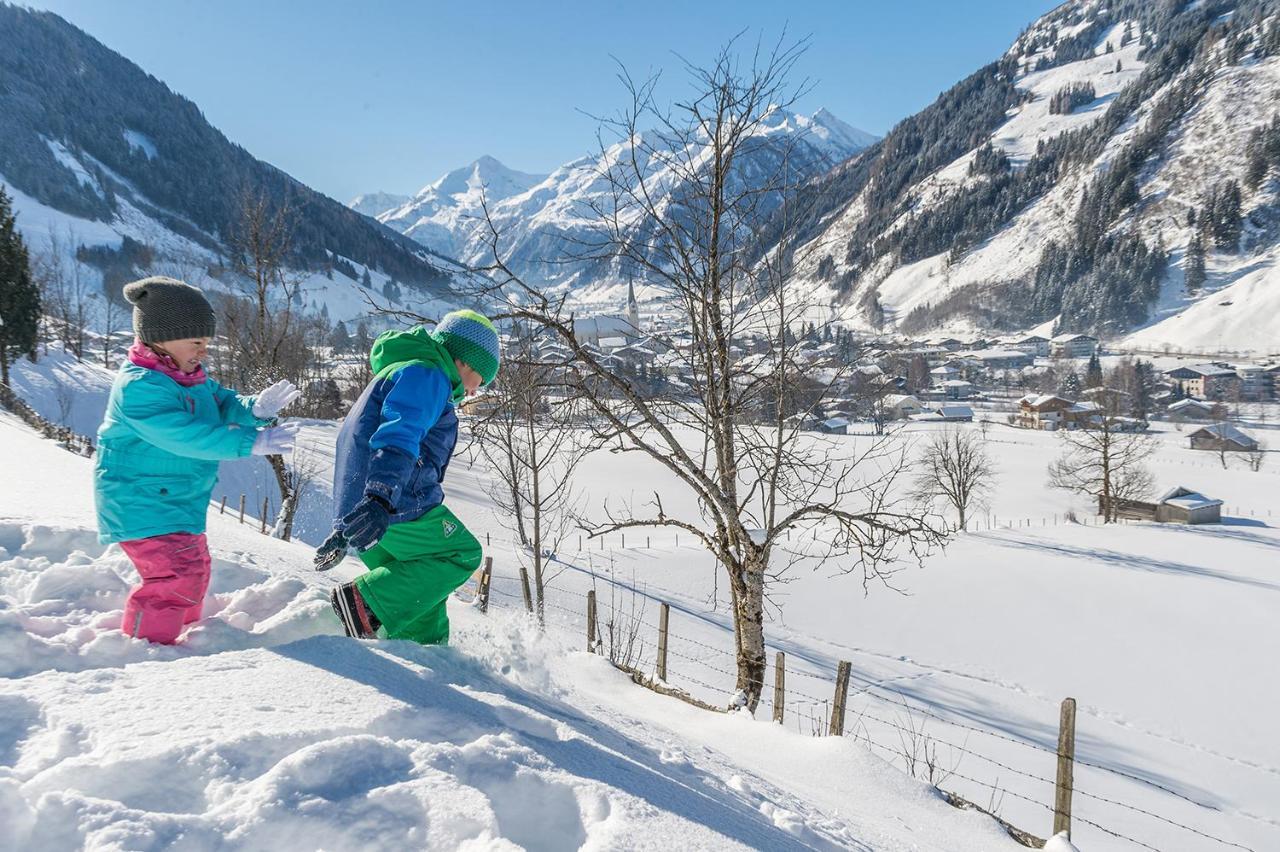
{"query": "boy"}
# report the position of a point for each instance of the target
(392, 454)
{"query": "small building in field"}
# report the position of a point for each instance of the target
(954, 413)
(834, 426)
(899, 406)
(1176, 506)
(1222, 436)
(1183, 506)
(1195, 409)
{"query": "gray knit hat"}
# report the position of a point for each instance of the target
(168, 309)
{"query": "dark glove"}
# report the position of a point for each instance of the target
(331, 552)
(367, 522)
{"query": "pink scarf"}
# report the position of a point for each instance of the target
(144, 356)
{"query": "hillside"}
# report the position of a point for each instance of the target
(1070, 179)
(98, 153)
(265, 730)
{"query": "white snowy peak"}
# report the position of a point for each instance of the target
(543, 217)
(373, 204)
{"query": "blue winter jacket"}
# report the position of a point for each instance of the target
(397, 440)
(158, 451)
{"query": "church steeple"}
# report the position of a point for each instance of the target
(633, 309)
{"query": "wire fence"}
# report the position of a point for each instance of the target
(878, 714)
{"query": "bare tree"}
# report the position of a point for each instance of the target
(530, 435)
(67, 292)
(1256, 457)
(955, 467)
(716, 245)
(263, 335)
(1105, 458)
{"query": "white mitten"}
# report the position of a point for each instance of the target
(277, 440)
(272, 400)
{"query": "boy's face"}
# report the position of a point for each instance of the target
(471, 380)
(187, 353)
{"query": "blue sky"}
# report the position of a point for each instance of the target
(354, 97)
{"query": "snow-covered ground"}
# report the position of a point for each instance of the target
(264, 730)
(1163, 634)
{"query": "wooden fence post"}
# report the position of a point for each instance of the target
(486, 539)
(486, 577)
(223, 508)
(264, 513)
(591, 621)
(524, 587)
(842, 693)
(664, 616)
(779, 686)
(1066, 765)
(242, 508)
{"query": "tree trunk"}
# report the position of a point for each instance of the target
(747, 583)
(288, 497)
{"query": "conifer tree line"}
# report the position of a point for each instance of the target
(1070, 97)
(19, 297)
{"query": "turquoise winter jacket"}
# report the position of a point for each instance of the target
(158, 451)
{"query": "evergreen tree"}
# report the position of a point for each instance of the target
(1093, 373)
(19, 296)
(365, 280)
(1256, 165)
(339, 338)
(1070, 386)
(1143, 389)
(1193, 269)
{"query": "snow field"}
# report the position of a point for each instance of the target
(1161, 633)
(265, 730)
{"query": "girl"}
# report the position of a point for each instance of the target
(166, 428)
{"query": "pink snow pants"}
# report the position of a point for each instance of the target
(175, 575)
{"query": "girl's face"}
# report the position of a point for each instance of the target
(470, 378)
(187, 353)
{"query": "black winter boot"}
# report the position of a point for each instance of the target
(357, 618)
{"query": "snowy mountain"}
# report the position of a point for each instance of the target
(1077, 177)
(374, 204)
(453, 204)
(544, 222)
(98, 154)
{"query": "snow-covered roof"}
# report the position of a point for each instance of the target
(1190, 403)
(955, 411)
(956, 383)
(1208, 370)
(1225, 431)
(1067, 338)
(895, 399)
(1185, 498)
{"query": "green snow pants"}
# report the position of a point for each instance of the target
(412, 571)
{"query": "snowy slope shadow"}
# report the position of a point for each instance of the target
(524, 753)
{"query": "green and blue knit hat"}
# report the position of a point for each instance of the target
(472, 339)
